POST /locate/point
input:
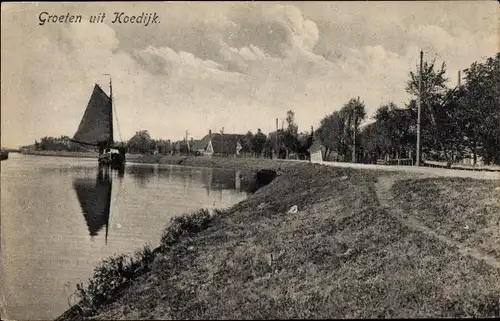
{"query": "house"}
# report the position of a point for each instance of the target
(219, 144)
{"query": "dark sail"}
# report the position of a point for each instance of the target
(96, 126)
(95, 200)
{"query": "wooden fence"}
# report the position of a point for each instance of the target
(462, 167)
(395, 161)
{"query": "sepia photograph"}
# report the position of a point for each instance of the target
(250, 160)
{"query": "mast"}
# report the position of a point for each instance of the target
(111, 139)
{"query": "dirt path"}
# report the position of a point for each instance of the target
(386, 199)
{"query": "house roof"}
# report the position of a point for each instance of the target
(225, 143)
(201, 144)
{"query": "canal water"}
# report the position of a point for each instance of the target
(60, 217)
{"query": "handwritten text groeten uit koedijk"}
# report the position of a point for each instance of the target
(144, 19)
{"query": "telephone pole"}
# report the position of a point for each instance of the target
(187, 142)
(277, 133)
(222, 141)
(354, 134)
(419, 106)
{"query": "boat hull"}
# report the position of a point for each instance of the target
(115, 161)
(4, 155)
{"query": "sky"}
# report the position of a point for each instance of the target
(237, 65)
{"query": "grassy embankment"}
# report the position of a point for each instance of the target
(342, 255)
(466, 211)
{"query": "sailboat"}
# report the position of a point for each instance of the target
(94, 197)
(96, 129)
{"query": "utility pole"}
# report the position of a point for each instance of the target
(419, 106)
(354, 135)
(277, 132)
(222, 141)
(459, 80)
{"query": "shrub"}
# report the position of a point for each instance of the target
(185, 225)
(110, 276)
(115, 272)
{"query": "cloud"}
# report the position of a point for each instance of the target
(237, 65)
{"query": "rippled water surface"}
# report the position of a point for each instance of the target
(60, 217)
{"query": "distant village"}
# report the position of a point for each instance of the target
(458, 124)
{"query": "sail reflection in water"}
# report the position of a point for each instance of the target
(94, 196)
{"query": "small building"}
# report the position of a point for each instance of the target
(316, 152)
(219, 144)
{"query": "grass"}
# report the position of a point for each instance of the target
(117, 272)
(110, 277)
(466, 210)
(340, 256)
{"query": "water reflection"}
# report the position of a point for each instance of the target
(94, 196)
(141, 174)
(50, 206)
(212, 179)
(219, 179)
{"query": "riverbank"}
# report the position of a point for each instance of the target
(240, 163)
(355, 246)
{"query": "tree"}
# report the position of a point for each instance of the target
(290, 135)
(336, 130)
(275, 144)
(141, 142)
(394, 130)
(480, 115)
(305, 141)
(258, 142)
(331, 133)
(434, 93)
(372, 142)
(246, 144)
(352, 114)
(164, 146)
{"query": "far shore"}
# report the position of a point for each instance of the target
(243, 163)
(61, 153)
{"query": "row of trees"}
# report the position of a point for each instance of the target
(255, 144)
(285, 141)
(338, 131)
(455, 122)
(61, 143)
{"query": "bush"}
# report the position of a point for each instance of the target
(116, 272)
(185, 225)
(110, 276)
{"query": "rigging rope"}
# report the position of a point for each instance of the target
(117, 123)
